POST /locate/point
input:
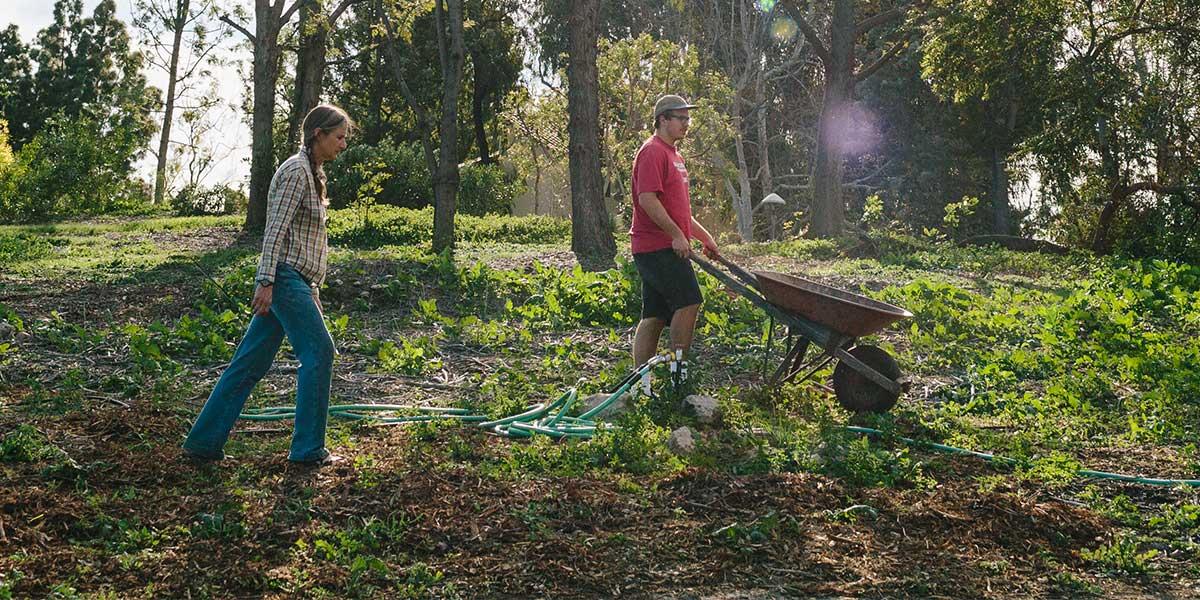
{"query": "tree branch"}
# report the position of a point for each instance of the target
(246, 32)
(337, 12)
(291, 10)
(870, 23)
(814, 40)
(887, 57)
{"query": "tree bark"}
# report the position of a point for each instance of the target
(764, 156)
(743, 208)
(164, 140)
(1000, 210)
(445, 180)
(315, 27)
(268, 20)
(478, 96)
(310, 66)
(828, 209)
(591, 228)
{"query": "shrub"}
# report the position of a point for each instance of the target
(71, 167)
(486, 190)
(389, 226)
(194, 200)
(405, 183)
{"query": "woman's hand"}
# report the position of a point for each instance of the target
(261, 304)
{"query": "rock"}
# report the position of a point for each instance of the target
(619, 406)
(704, 408)
(682, 441)
(6, 331)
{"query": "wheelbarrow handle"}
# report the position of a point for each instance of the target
(746, 276)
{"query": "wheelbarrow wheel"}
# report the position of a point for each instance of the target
(857, 393)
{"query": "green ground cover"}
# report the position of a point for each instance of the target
(113, 334)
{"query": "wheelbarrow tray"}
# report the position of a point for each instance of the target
(841, 311)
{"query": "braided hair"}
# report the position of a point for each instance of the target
(326, 118)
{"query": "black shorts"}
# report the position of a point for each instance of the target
(668, 283)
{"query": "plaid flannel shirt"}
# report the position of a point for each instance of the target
(295, 230)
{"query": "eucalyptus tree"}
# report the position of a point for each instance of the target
(448, 29)
(493, 45)
(269, 18)
(755, 45)
(1120, 137)
(840, 59)
(569, 32)
(995, 60)
(591, 227)
(16, 81)
(179, 42)
(315, 27)
(86, 65)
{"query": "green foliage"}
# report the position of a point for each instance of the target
(485, 189)
(23, 247)
(1112, 353)
(405, 227)
(633, 73)
(872, 216)
(859, 461)
(208, 336)
(8, 581)
(399, 170)
(225, 523)
(194, 200)
(71, 167)
(26, 444)
(1121, 556)
(957, 213)
(756, 534)
(412, 357)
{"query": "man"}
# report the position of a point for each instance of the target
(661, 234)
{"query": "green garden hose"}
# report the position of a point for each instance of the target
(1012, 461)
(554, 421)
(538, 419)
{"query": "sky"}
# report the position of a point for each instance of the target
(231, 145)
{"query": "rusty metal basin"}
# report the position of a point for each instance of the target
(844, 312)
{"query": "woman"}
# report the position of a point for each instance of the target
(286, 301)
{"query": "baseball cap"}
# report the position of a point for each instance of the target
(670, 102)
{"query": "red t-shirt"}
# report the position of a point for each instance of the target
(659, 168)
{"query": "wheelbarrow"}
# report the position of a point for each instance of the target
(866, 378)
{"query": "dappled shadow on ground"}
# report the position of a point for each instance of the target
(135, 294)
(98, 498)
(119, 509)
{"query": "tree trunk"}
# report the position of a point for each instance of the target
(268, 20)
(445, 180)
(743, 208)
(1102, 238)
(591, 228)
(374, 130)
(164, 140)
(1000, 210)
(828, 210)
(478, 96)
(767, 183)
(310, 66)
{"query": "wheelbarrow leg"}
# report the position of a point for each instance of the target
(792, 363)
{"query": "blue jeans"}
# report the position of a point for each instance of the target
(293, 312)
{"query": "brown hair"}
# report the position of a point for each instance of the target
(325, 117)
